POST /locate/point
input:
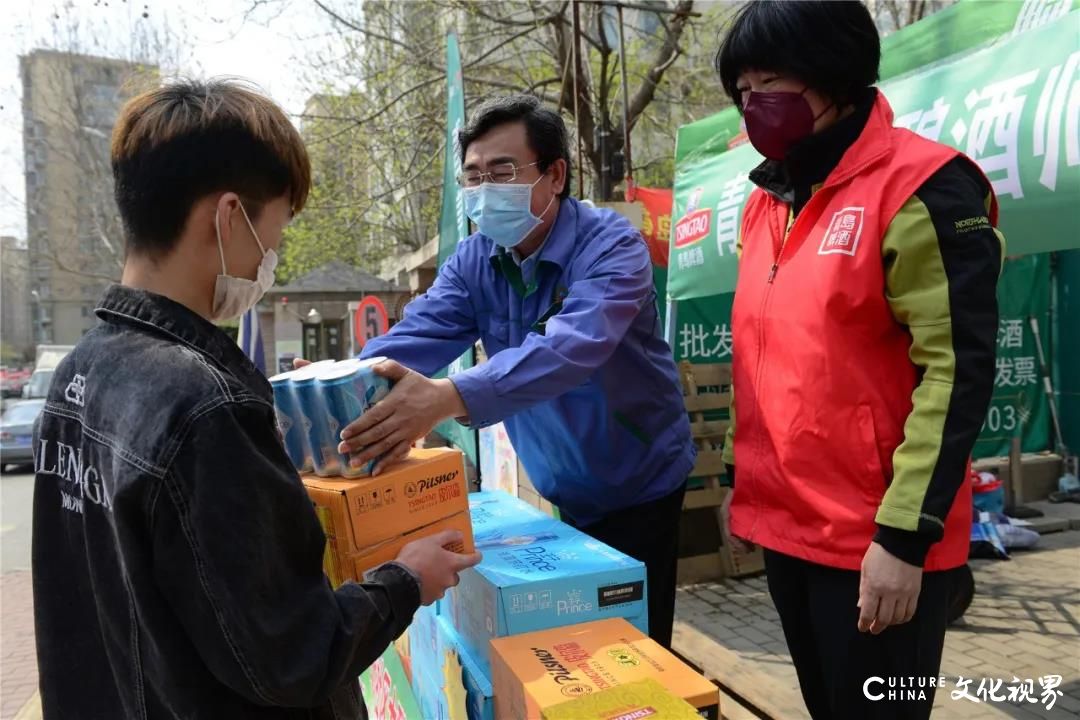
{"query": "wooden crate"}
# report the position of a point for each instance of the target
(704, 555)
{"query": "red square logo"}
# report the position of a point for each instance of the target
(842, 237)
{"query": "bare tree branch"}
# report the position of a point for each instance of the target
(664, 59)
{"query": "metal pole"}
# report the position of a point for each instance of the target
(625, 110)
(670, 319)
(577, 109)
(1016, 473)
(1047, 387)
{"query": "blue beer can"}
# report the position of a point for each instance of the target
(351, 388)
(291, 422)
(322, 431)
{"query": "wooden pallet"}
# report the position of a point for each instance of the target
(706, 388)
(747, 686)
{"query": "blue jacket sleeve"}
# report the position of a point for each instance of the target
(595, 316)
(437, 328)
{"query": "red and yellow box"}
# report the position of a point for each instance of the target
(536, 671)
(642, 700)
(368, 520)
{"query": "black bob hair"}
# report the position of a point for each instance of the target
(832, 47)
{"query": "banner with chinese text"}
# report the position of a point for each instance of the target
(453, 224)
(1014, 108)
(655, 222)
(703, 325)
(1019, 407)
(959, 28)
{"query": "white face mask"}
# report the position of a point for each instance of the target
(234, 296)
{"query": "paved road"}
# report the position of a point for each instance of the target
(18, 660)
(1024, 624)
(16, 498)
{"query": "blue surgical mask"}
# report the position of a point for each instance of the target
(503, 212)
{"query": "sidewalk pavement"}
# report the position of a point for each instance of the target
(18, 655)
(1024, 622)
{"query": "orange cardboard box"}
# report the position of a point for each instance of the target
(388, 549)
(632, 701)
(365, 519)
(536, 671)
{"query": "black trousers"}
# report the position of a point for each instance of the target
(834, 661)
(650, 533)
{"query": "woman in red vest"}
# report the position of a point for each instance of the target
(865, 324)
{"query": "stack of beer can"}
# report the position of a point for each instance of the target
(314, 404)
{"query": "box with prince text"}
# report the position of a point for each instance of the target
(540, 574)
(493, 510)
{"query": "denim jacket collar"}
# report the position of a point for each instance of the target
(157, 313)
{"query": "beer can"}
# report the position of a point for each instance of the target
(322, 431)
(351, 389)
(291, 422)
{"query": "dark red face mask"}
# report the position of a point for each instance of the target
(777, 120)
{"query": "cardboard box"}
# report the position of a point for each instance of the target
(633, 701)
(387, 692)
(540, 670)
(389, 549)
(493, 510)
(479, 691)
(446, 681)
(367, 520)
(542, 574)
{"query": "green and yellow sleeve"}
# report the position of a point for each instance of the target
(942, 262)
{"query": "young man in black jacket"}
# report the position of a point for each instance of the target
(177, 559)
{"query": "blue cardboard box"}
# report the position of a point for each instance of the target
(494, 509)
(423, 650)
(541, 574)
(479, 691)
(447, 682)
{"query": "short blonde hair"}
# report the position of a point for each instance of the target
(178, 143)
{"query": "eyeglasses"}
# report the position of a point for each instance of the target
(500, 174)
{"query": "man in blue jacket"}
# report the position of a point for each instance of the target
(561, 294)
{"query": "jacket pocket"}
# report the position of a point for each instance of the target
(870, 452)
(495, 332)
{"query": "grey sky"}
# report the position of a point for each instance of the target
(210, 37)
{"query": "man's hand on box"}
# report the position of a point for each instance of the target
(415, 405)
(436, 566)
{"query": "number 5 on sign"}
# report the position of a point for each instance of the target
(370, 320)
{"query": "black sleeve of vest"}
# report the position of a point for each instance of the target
(956, 198)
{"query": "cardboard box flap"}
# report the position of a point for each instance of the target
(589, 658)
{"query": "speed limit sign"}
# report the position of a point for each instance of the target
(370, 320)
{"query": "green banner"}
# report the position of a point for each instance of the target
(1014, 108)
(958, 28)
(702, 326)
(1019, 407)
(454, 225)
(1067, 346)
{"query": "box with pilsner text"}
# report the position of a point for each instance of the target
(368, 520)
(541, 670)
